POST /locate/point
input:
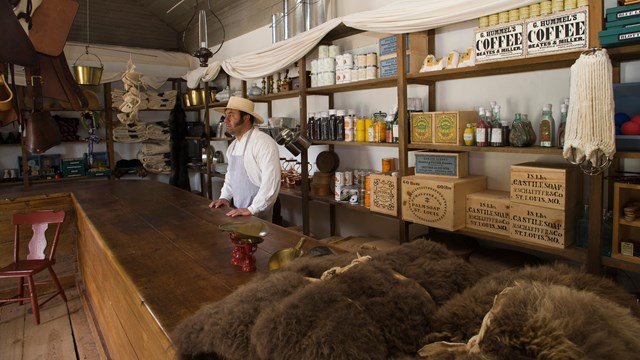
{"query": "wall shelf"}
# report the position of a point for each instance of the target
(502, 149)
(353, 143)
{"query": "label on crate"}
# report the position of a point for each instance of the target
(561, 32)
(383, 190)
(428, 203)
(499, 42)
(488, 217)
(434, 164)
(544, 226)
(537, 189)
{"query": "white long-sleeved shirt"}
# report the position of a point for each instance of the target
(262, 163)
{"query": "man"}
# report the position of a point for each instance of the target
(253, 174)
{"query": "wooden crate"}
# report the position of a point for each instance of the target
(438, 202)
(542, 226)
(414, 42)
(453, 164)
(489, 211)
(448, 126)
(551, 185)
(421, 128)
(384, 193)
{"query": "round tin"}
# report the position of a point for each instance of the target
(323, 51)
(338, 192)
(348, 178)
(339, 178)
(523, 12)
(354, 74)
(371, 72)
(334, 50)
(361, 60)
(372, 59)
(483, 21)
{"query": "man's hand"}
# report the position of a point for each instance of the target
(218, 203)
(239, 212)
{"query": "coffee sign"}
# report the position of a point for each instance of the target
(499, 43)
(562, 32)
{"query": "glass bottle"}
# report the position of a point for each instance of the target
(531, 134)
(469, 135)
(332, 124)
(323, 130)
(389, 130)
(518, 134)
(563, 123)
(496, 128)
(311, 125)
(547, 127)
(340, 125)
(394, 127)
(482, 129)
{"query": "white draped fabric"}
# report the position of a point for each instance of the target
(403, 16)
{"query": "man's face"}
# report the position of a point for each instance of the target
(235, 123)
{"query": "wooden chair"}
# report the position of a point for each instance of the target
(36, 261)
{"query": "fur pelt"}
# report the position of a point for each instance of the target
(363, 313)
(221, 330)
(460, 318)
(534, 320)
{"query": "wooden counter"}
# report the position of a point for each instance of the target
(150, 255)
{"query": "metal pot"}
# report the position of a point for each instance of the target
(88, 75)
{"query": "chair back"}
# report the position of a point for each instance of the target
(39, 221)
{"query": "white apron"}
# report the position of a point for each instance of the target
(243, 189)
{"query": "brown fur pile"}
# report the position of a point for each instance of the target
(459, 319)
(365, 312)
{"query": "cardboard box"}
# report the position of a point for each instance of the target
(542, 226)
(74, 167)
(489, 211)
(389, 63)
(623, 12)
(620, 36)
(500, 42)
(559, 32)
(551, 185)
(438, 202)
(415, 42)
(384, 193)
(453, 164)
(448, 127)
(421, 128)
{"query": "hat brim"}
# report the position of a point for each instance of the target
(258, 118)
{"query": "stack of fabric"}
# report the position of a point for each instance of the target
(155, 157)
(130, 133)
(162, 101)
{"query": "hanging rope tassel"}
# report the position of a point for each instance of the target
(590, 129)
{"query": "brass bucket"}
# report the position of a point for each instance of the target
(88, 75)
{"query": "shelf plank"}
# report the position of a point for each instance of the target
(529, 64)
(626, 263)
(624, 53)
(571, 253)
(330, 200)
(634, 223)
(503, 149)
(379, 83)
(353, 143)
(627, 155)
(281, 95)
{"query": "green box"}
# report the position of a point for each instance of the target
(620, 36)
(623, 12)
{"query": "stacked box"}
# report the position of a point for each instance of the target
(389, 63)
(489, 211)
(448, 127)
(384, 193)
(73, 167)
(438, 202)
(416, 42)
(421, 128)
(621, 26)
(453, 164)
(544, 198)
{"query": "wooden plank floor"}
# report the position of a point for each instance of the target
(63, 334)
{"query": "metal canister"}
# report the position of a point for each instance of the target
(314, 66)
(372, 59)
(493, 19)
(339, 178)
(361, 135)
(388, 164)
(534, 10)
(338, 192)
(372, 72)
(347, 60)
(362, 73)
(367, 199)
(323, 51)
(514, 15)
(354, 195)
(483, 21)
(348, 178)
(334, 50)
(354, 74)
(367, 182)
(349, 135)
(361, 60)
(346, 75)
(338, 61)
(523, 12)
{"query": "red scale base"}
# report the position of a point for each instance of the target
(242, 254)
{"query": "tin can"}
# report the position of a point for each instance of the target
(388, 164)
(361, 60)
(314, 66)
(367, 199)
(334, 50)
(354, 195)
(534, 10)
(372, 59)
(346, 75)
(347, 60)
(570, 4)
(372, 72)
(557, 5)
(367, 183)
(514, 15)
(338, 60)
(503, 17)
(362, 73)
(348, 122)
(361, 135)
(582, 3)
(354, 75)
(493, 19)
(348, 178)
(339, 178)
(323, 51)
(349, 135)
(483, 21)
(338, 192)
(523, 12)
(339, 76)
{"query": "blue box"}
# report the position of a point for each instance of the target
(389, 65)
(33, 167)
(415, 42)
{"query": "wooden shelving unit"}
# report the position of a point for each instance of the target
(624, 230)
